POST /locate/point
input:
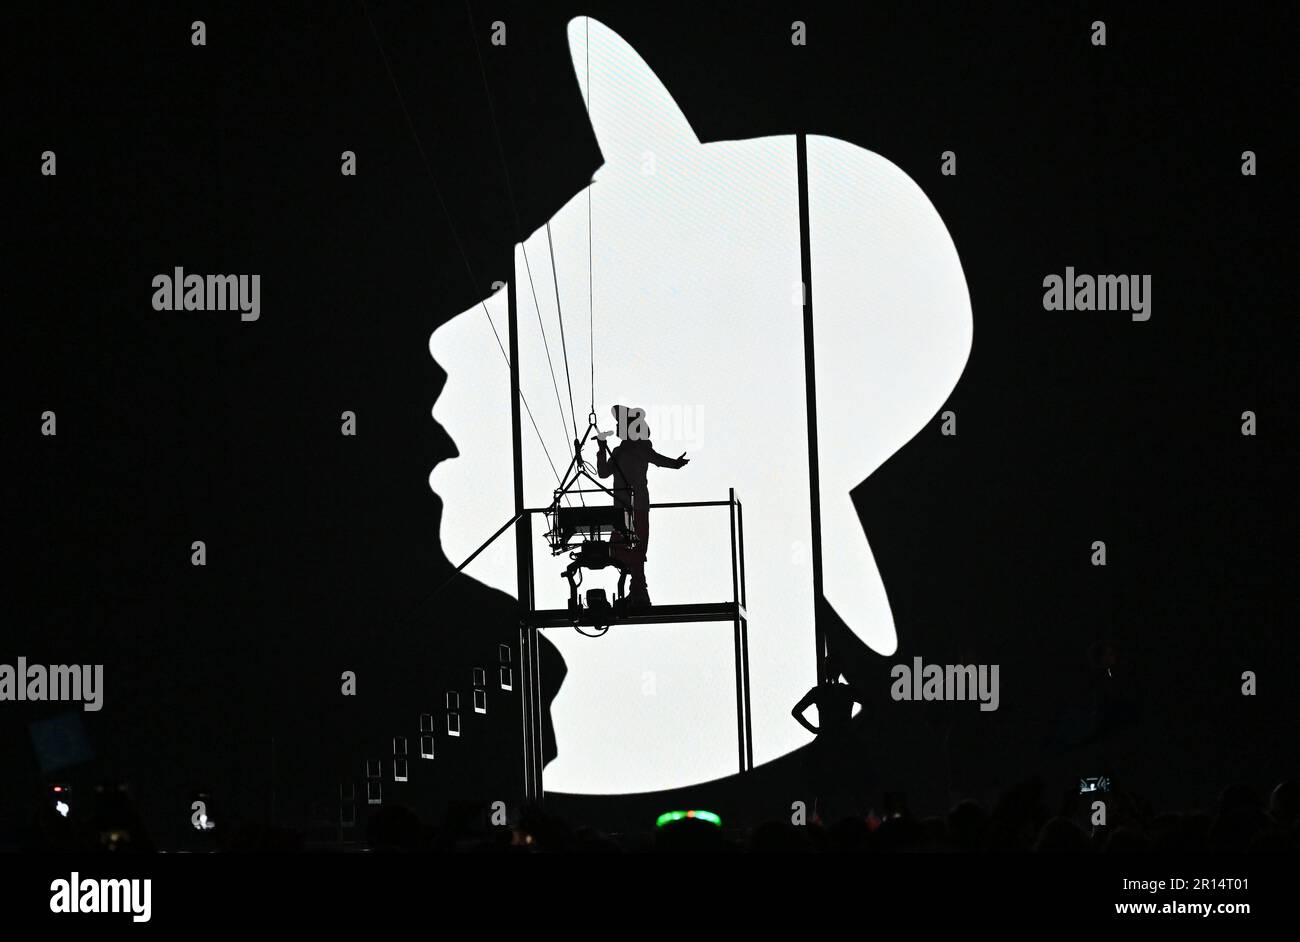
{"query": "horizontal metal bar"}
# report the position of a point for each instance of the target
(679, 503)
(693, 503)
(655, 614)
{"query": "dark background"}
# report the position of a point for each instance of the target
(1073, 426)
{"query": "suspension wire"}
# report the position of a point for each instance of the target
(455, 236)
(532, 420)
(559, 313)
(564, 346)
(546, 345)
(514, 207)
(591, 279)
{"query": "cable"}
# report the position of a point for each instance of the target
(524, 400)
(546, 344)
(559, 313)
(455, 236)
(563, 346)
(591, 278)
(514, 208)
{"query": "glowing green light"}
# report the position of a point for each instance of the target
(670, 816)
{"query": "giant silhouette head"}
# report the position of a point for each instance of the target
(693, 292)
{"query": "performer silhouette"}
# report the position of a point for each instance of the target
(836, 763)
(628, 464)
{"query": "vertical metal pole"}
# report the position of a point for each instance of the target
(736, 638)
(526, 704)
(744, 634)
(810, 377)
(516, 442)
(523, 529)
(749, 713)
(735, 572)
(538, 723)
(740, 540)
(529, 668)
(527, 523)
(740, 692)
(523, 567)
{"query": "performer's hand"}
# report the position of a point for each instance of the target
(682, 460)
(803, 721)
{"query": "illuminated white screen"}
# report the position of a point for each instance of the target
(695, 277)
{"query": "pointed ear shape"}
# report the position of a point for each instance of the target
(631, 112)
